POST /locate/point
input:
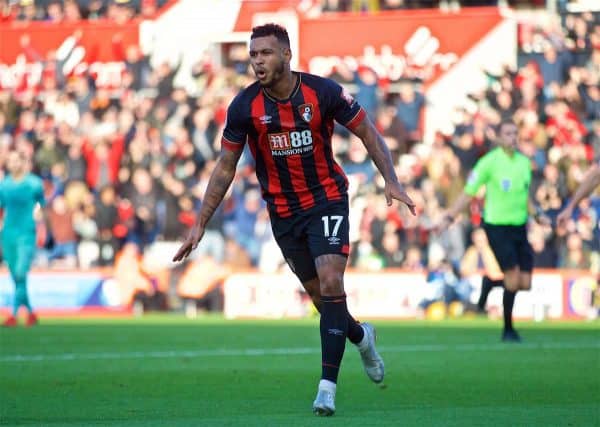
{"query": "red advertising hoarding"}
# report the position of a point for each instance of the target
(402, 44)
(94, 47)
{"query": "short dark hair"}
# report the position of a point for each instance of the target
(271, 30)
(506, 122)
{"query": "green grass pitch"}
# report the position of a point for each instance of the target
(169, 371)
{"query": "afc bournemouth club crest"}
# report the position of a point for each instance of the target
(306, 111)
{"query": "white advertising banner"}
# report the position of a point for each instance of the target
(281, 295)
(543, 301)
(373, 295)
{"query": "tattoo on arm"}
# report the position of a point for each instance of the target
(219, 183)
(377, 149)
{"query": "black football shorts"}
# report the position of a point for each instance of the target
(510, 246)
(305, 236)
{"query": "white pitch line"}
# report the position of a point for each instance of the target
(293, 351)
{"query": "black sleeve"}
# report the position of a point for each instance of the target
(236, 130)
(341, 105)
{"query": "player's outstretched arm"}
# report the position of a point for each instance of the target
(218, 184)
(450, 215)
(591, 181)
(380, 154)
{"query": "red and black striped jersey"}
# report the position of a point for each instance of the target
(290, 140)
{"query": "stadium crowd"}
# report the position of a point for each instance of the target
(124, 10)
(55, 11)
(129, 164)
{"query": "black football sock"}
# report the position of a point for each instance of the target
(486, 286)
(508, 300)
(355, 331)
(334, 329)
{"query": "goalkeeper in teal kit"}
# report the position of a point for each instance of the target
(20, 193)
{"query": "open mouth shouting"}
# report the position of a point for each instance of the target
(260, 73)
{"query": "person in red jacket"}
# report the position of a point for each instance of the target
(103, 159)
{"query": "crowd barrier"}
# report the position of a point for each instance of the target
(555, 294)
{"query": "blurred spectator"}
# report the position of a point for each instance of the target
(243, 227)
(553, 67)
(409, 107)
(574, 255)
(364, 255)
(392, 254)
(137, 287)
(200, 286)
(75, 162)
(414, 259)
(444, 285)
(106, 217)
(543, 242)
(47, 155)
(64, 239)
(365, 80)
(143, 194)
(103, 158)
(356, 162)
(72, 12)
(393, 130)
(479, 257)
(84, 224)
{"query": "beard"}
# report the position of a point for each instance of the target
(277, 73)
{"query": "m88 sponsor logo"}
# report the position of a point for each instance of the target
(290, 143)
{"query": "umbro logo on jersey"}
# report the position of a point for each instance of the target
(265, 120)
(334, 240)
(306, 111)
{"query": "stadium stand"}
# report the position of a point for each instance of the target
(129, 163)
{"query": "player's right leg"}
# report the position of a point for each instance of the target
(333, 326)
(362, 335)
(503, 244)
(9, 252)
(297, 255)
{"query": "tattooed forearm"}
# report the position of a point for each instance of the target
(219, 183)
(377, 149)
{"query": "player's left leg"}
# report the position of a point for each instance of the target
(327, 234)
(355, 332)
(511, 287)
(25, 250)
(362, 335)
(292, 240)
(333, 326)
(524, 280)
(486, 287)
(300, 260)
